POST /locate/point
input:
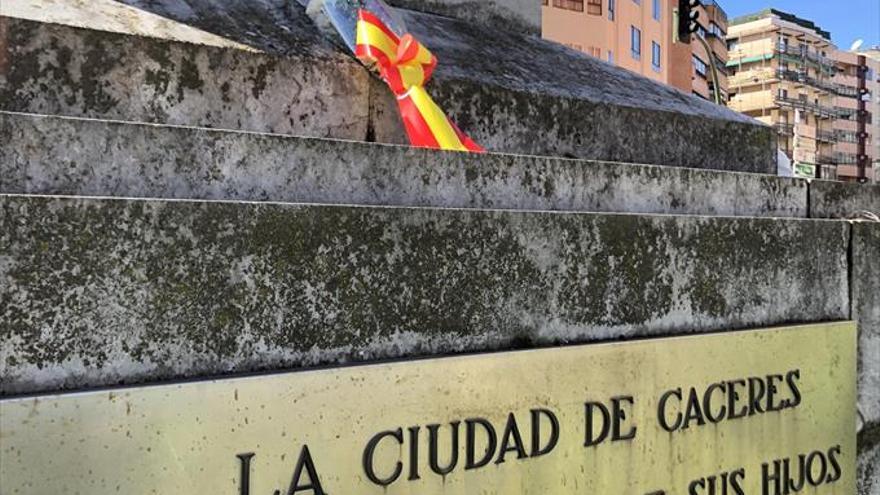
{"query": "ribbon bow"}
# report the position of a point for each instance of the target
(406, 65)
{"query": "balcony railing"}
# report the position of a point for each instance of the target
(805, 53)
(820, 110)
(825, 160)
(826, 136)
(828, 86)
(785, 129)
(845, 159)
(829, 172)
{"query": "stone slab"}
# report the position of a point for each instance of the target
(865, 300)
(868, 474)
(866, 310)
(302, 84)
(200, 427)
(112, 16)
(52, 155)
(519, 15)
(60, 70)
(831, 199)
(106, 291)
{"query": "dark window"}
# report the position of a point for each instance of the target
(700, 66)
(576, 5)
(715, 30)
(611, 9)
(594, 7)
(655, 55)
(635, 37)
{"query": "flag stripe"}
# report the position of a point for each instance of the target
(369, 17)
(436, 120)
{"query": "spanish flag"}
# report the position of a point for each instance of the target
(406, 65)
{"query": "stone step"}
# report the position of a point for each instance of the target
(100, 291)
(511, 92)
(71, 156)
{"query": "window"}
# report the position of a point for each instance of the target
(610, 57)
(576, 5)
(655, 56)
(732, 44)
(635, 37)
(656, 10)
(637, 2)
(715, 30)
(594, 7)
(611, 10)
(700, 66)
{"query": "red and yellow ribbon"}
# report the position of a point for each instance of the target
(406, 65)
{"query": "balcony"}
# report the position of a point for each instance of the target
(845, 159)
(819, 110)
(827, 86)
(750, 77)
(846, 91)
(804, 54)
(826, 136)
(825, 160)
(803, 78)
(785, 129)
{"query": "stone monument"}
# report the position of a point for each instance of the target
(209, 206)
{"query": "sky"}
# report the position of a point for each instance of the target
(848, 20)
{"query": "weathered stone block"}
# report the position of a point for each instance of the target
(52, 155)
(511, 92)
(868, 474)
(103, 291)
(516, 15)
(831, 199)
(866, 310)
(60, 70)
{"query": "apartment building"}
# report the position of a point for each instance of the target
(786, 72)
(872, 81)
(638, 35)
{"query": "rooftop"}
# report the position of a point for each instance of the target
(804, 23)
